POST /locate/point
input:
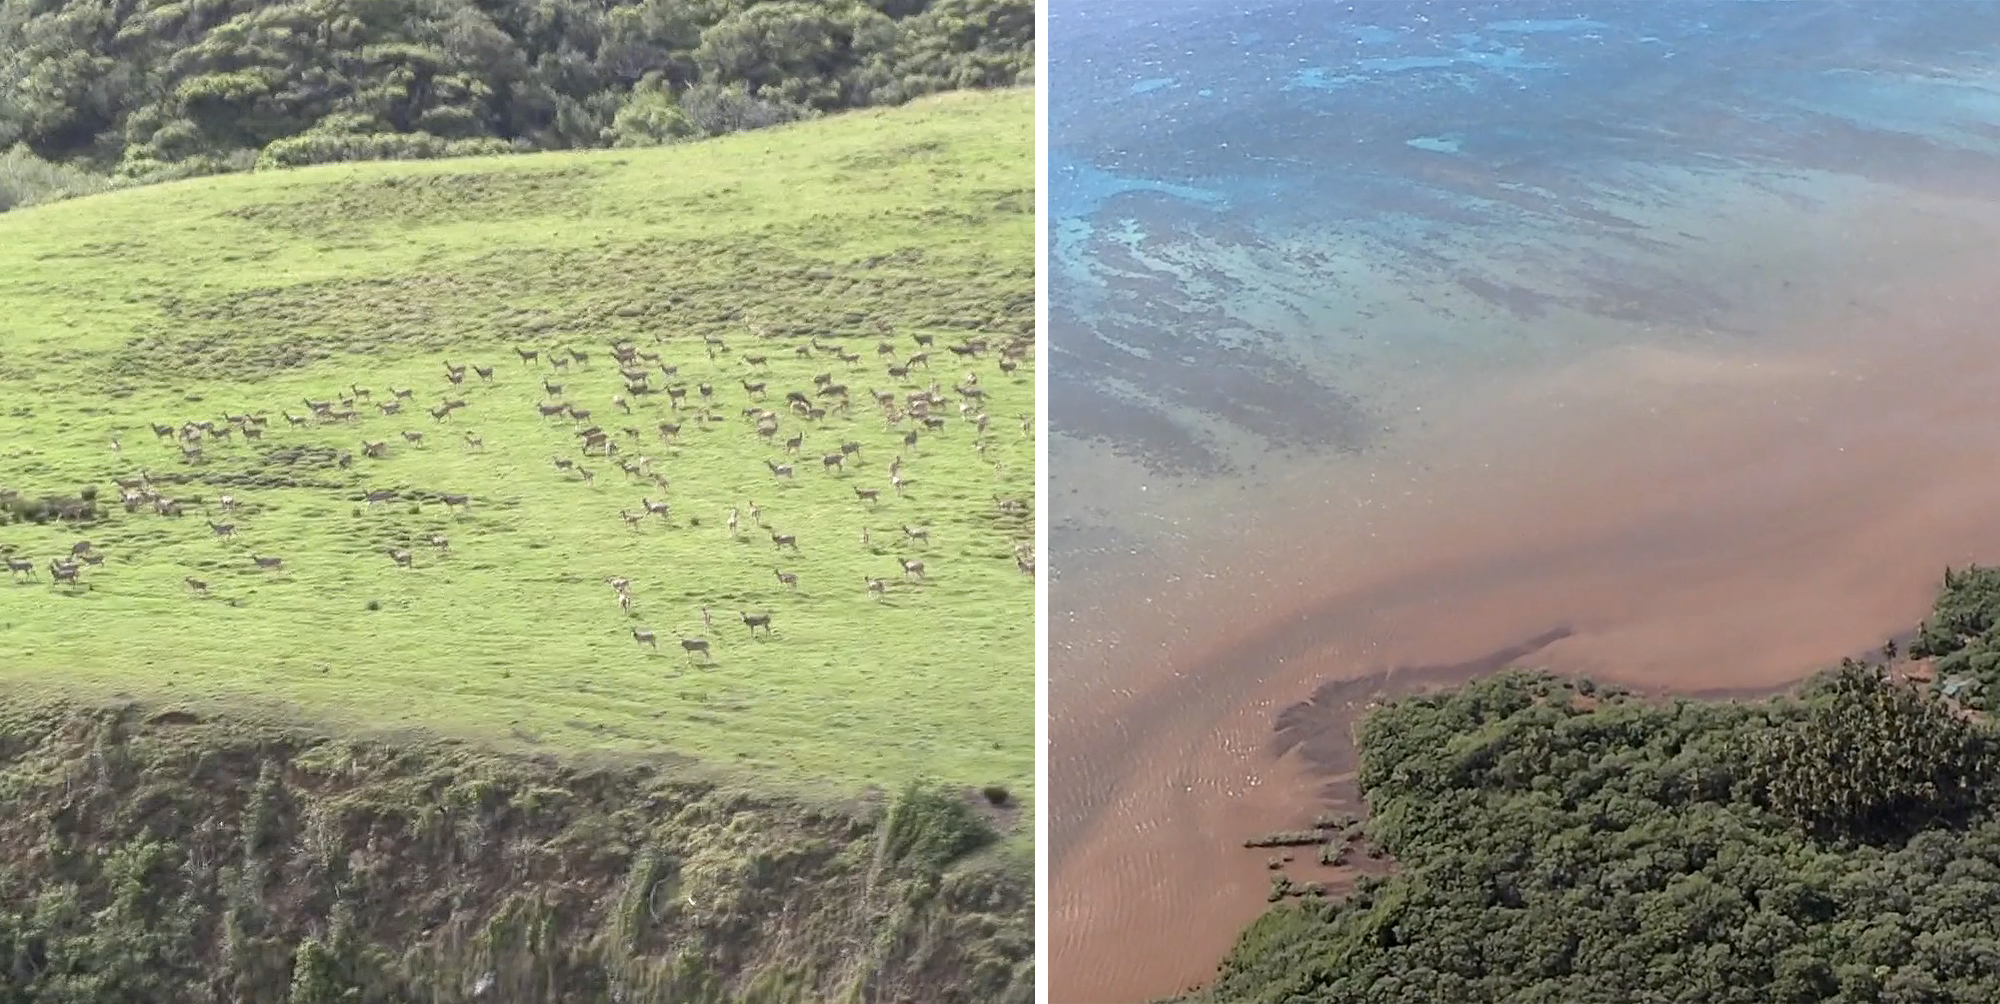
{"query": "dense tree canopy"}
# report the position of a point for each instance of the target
(154, 89)
(1835, 845)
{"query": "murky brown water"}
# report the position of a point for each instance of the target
(1714, 517)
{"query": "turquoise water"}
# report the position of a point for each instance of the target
(1240, 191)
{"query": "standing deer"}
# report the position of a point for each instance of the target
(644, 637)
(693, 645)
(755, 621)
(786, 578)
(878, 588)
(912, 568)
(782, 540)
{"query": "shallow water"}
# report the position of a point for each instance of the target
(1401, 334)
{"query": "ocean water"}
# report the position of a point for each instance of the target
(1393, 333)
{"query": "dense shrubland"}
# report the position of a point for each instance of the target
(162, 858)
(147, 90)
(1562, 842)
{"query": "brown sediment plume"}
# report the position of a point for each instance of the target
(1724, 518)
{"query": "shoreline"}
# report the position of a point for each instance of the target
(1700, 521)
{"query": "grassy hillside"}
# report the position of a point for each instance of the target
(249, 295)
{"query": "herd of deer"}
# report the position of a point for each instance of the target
(910, 412)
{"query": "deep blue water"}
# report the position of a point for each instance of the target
(1252, 200)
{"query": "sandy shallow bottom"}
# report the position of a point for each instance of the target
(1691, 517)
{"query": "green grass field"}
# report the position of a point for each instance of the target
(196, 300)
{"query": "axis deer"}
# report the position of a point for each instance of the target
(402, 556)
(732, 521)
(915, 533)
(632, 520)
(453, 500)
(563, 463)
(579, 414)
(625, 603)
(669, 431)
(693, 645)
(784, 540)
(267, 562)
(552, 389)
(645, 637)
(485, 372)
(829, 461)
(754, 389)
(706, 622)
(388, 408)
(196, 585)
(925, 340)
(589, 476)
(912, 568)
(869, 495)
(865, 543)
(755, 621)
(403, 393)
(440, 413)
(792, 445)
(779, 470)
(654, 508)
(528, 355)
(441, 542)
(21, 566)
(758, 361)
(61, 572)
(787, 579)
(222, 529)
(413, 438)
(475, 442)
(878, 588)
(379, 496)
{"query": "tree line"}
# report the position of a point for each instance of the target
(1558, 841)
(97, 92)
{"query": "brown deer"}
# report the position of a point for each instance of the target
(912, 568)
(755, 621)
(645, 637)
(693, 645)
(402, 556)
(788, 579)
(782, 540)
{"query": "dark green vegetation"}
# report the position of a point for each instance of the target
(1558, 842)
(1963, 636)
(162, 858)
(160, 89)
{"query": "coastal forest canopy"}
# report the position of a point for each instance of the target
(1558, 841)
(97, 92)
